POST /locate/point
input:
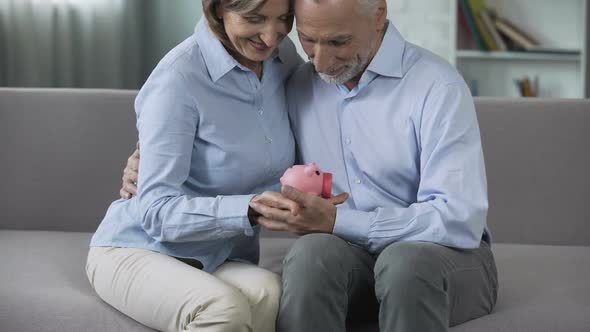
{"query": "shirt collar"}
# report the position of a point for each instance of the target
(389, 58)
(387, 61)
(218, 61)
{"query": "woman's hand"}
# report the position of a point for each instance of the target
(130, 173)
(277, 200)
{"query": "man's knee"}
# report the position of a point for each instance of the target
(319, 251)
(313, 260)
(407, 268)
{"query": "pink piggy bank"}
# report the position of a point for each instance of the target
(309, 179)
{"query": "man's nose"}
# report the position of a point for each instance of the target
(321, 60)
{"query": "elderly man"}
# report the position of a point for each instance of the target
(397, 127)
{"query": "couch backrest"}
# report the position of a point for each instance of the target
(62, 155)
(537, 155)
(63, 151)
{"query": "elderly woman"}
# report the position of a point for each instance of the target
(213, 129)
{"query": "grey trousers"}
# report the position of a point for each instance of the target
(409, 286)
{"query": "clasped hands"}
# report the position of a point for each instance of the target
(290, 210)
(295, 211)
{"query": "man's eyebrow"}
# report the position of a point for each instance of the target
(303, 35)
(338, 38)
(341, 37)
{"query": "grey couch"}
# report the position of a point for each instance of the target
(62, 153)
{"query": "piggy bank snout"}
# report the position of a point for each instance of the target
(311, 171)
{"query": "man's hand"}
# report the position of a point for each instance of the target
(315, 214)
(130, 173)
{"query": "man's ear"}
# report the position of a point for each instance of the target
(381, 15)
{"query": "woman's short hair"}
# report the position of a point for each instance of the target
(216, 23)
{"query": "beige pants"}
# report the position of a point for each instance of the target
(168, 295)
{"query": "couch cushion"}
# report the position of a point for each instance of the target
(43, 286)
(542, 288)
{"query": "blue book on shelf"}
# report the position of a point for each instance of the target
(472, 25)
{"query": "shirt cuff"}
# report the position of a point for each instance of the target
(352, 225)
(232, 213)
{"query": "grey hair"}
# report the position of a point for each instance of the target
(369, 7)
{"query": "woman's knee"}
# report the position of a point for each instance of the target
(227, 310)
(264, 297)
(267, 293)
(262, 288)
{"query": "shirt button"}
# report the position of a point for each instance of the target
(348, 141)
(260, 111)
(268, 139)
(357, 181)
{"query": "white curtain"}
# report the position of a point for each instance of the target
(71, 43)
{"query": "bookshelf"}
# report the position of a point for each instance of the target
(560, 27)
(523, 56)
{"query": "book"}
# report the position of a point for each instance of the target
(487, 20)
(518, 87)
(477, 7)
(526, 87)
(466, 10)
(486, 34)
(465, 37)
(514, 34)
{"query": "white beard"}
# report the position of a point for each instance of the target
(352, 70)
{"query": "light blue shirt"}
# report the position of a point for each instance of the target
(405, 143)
(211, 135)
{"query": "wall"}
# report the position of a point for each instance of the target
(422, 22)
(587, 51)
(166, 24)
